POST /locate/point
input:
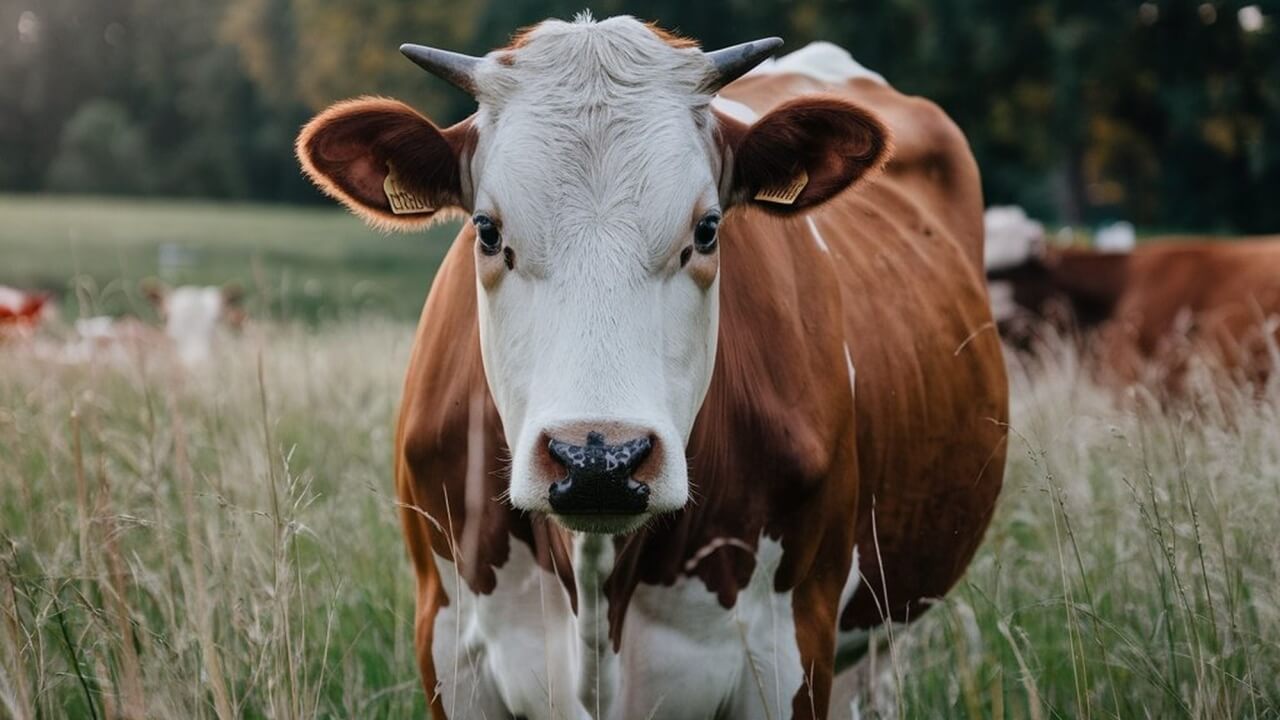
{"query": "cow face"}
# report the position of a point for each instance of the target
(596, 178)
(192, 314)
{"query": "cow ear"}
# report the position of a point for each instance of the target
(802, 153)
(386, 162)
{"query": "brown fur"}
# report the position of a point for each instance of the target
(776, 148)
(907, 465)
(519, 38)
(346, 149)
(1168, 303)
(673, 39)
(1187, 299)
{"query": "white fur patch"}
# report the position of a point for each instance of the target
(851, 582)
(739, 663)
(822, 61)
(521, 651)
(509, 652)
(735, 109)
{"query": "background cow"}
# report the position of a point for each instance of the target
(790, 414)
(193, 315)
(1155, 310)
(20, 311)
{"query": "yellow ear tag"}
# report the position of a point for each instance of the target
(402, 201)
(786, 194)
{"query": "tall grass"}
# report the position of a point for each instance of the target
(1132, 569)
(220, 543)
(224, 543)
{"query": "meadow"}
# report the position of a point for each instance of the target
(299, 263)
(225, 543)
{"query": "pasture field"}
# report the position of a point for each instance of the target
(310, 263)
(225, 542)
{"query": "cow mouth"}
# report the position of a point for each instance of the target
(601, 523)
(598, 496)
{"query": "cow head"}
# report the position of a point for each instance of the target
(596, 177)
(193, 313)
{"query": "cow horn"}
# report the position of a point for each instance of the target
(455, 68)
(735, 61)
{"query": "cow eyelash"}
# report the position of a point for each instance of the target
(487, 234)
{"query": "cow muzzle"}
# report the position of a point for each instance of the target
(600, 479)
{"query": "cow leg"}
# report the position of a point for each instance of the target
(867, 686)
(507, 653)
(455, 671)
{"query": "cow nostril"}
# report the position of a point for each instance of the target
(596, 457)
(599, 476)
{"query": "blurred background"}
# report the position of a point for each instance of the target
(1163, 113)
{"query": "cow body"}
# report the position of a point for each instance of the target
(20, 311)
(1168, 303)
(843, 466)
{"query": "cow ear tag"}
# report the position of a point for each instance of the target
(402, 201)
(785, 194)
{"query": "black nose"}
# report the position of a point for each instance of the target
(599, 477)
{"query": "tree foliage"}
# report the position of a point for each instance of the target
(1164, 112)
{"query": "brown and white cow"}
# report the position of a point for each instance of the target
(706, 387)
(1151, 312)
(21, 311)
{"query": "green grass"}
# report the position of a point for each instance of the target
(1132, 569)
(207, 545)
(226, 543)
(309, 263)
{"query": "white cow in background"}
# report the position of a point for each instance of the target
(1115, 237)
(193, 314)
(1011, 236)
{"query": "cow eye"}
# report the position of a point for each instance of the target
(489, 236)
(704, 235)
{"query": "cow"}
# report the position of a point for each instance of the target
(1149, 313)
(706, 388)
(21, 311)
(193, 315)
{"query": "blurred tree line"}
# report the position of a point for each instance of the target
(1164, 112)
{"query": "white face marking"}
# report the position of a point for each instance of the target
(822, 61)
(191, 319)
(817, 236)
(595, 154)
